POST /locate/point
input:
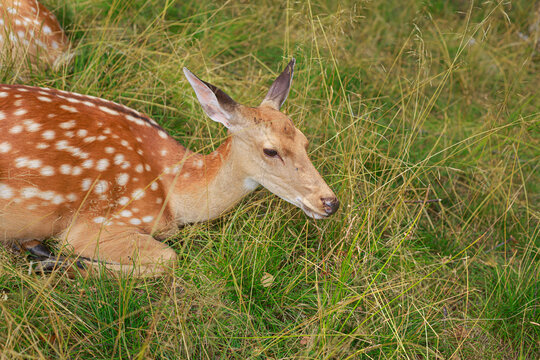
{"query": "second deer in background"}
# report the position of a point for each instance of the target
(30, 32)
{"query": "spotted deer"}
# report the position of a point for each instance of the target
(29, 31)
(107, 181)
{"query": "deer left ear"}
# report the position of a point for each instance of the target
(279, 90)
(216, 104)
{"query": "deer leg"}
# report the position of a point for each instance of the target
(119, 249)
(45, 261)
(37, 249)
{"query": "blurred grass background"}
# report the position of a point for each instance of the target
(403, 101)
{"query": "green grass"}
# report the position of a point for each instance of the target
(402, 101)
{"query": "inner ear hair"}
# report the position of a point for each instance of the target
(224, 100)
(279, 91)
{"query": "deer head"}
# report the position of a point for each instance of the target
(267, 147)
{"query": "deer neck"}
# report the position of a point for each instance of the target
(205, 186)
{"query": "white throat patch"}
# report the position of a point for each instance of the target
(250, 184)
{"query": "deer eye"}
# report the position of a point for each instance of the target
(270, 153)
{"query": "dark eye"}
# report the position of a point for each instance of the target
(270, 153)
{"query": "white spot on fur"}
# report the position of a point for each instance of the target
(58, 199)
(6, 192)
(118, 159)
(20, 112)
(85, 185)
(109, 149)
(16, 129)
(123, 200)
(29, 192)
(122, 179)
(82, 133)
(44, 99)
(139, 168)
(135, 221)
(198, 163)
(47, 171)
(154, 186)
(68, 124)
(87, 164)
(21, 161)
(34, 164)
(73, 100)
(126, 213)
(62, 145)
(5, 147)
(48, 134)
(101, 186)
(99, 220)
(31, 126)
(68, 108)
(77, 170)
(138, 194)
(108, 110)
(65, 169)
(46, 195)
(102, 165)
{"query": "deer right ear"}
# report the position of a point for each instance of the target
(216, 104)
(279, 90)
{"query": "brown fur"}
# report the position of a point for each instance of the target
(107, 180)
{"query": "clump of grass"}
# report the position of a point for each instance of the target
(404, 103)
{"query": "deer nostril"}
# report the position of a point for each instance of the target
(331, 204)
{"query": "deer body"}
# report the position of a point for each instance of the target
(28, 29)
(106, 179)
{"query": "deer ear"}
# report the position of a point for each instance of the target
(216, 104)
(280, 88)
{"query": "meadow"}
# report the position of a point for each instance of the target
(423, 117)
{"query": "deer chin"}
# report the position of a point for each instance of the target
(312, 214)
(309, 211)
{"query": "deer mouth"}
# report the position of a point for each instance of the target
(312, 213)
(307, 209)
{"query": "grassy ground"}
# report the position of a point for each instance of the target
(403, 101)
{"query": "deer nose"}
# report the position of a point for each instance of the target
(330, 204)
